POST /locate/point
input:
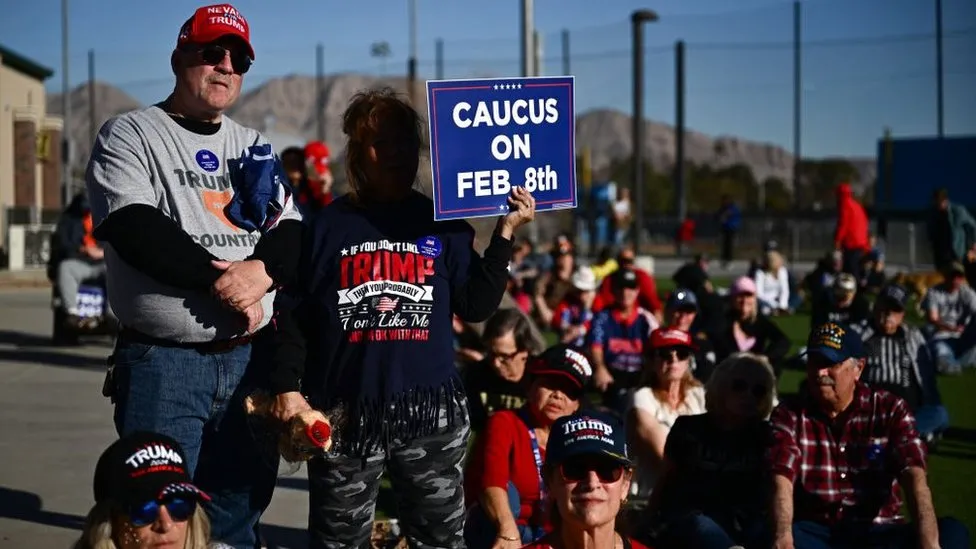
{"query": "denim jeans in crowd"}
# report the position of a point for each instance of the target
(811, 535)
(480, 532)
(701, 531)
(198, 399)
(953, 353)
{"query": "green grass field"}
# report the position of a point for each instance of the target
(952, 468)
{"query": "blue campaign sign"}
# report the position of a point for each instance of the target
(489, 135)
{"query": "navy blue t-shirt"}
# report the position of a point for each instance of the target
(379, 286)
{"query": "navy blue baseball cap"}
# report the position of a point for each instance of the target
(835, 342)
(682, 298)
(589, 433)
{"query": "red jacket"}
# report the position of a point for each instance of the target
(503, 454)
(852, 222)
(647, 298)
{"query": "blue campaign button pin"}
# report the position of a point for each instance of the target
(430, 246)
(207, 160)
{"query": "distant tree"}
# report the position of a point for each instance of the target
(821, 178)
(778, 197)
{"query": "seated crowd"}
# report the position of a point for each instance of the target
(715, 457)
(668, 411)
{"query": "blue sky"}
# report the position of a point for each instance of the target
(867, 63)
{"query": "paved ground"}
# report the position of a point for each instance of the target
(53, 425)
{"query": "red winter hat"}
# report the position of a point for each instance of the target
(211, 23)
(317, 154)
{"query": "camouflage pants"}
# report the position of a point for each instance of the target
(426, 478)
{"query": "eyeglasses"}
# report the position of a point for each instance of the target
(213, 54)
(679, 353)
(578, 470)
(179, 509)
(740, 386)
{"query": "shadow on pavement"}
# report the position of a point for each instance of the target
(29, 507)
(36, 349)
(282, 537)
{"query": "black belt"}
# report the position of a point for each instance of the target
(204, 347)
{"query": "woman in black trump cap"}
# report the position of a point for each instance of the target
(144, 498)
(587, 474)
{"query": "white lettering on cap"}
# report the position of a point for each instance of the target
(587, 424)
(156, 453)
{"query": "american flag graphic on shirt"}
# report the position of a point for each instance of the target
(386, 305)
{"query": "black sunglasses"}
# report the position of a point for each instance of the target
(179, 509)
(680, 353)
(740, 386)
(578, 470)
(213, 54)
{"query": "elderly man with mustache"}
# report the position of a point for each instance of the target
(839, 452)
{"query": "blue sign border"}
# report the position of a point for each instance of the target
(434, 86)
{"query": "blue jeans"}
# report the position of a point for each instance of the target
(480, 532)
(954, 352)
(701, 531)
(931, 419)
(198, 399)
(811, 535)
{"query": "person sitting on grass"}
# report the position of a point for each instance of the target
(900, 361)
(587, 475)
(713, 488)
(841, 452)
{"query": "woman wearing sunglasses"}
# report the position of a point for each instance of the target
(144, 498)
(503, 481)
(587, 475)
(713, 488)
(668, 390)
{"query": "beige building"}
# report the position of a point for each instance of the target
(30, 144)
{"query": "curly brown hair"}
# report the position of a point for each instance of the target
(385, 130)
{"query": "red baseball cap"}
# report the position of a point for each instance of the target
(317, 153)
(670, 337)
(211, 23)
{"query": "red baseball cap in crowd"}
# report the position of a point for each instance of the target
(211, 23)
(317, 154)
(663, 338)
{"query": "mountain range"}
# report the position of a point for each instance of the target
(284, 108)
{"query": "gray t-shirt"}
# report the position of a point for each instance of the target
(954, 308)
(144, 157)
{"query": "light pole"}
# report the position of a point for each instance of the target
(939, 105)
(412, 62)
(637, 19)
(66, 167)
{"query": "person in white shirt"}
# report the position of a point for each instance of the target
(773, 285)
(668, 390)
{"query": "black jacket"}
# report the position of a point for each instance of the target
(770, 340)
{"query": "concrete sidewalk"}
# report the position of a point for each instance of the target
(28, 278)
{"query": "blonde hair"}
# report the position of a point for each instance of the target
(748, 365)
(650, 377)
(774, 260)
(97, 532)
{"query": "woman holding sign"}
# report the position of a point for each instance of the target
(371, 341)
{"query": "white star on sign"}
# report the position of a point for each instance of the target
(345, 251)
(520, 86)
(496, 86)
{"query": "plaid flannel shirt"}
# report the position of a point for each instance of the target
(846, 469)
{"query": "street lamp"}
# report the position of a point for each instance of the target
(637, 19)
(412, 61)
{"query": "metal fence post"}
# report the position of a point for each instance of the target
(911, 248)
(795, 234)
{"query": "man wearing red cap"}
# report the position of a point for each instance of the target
(192, 271)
